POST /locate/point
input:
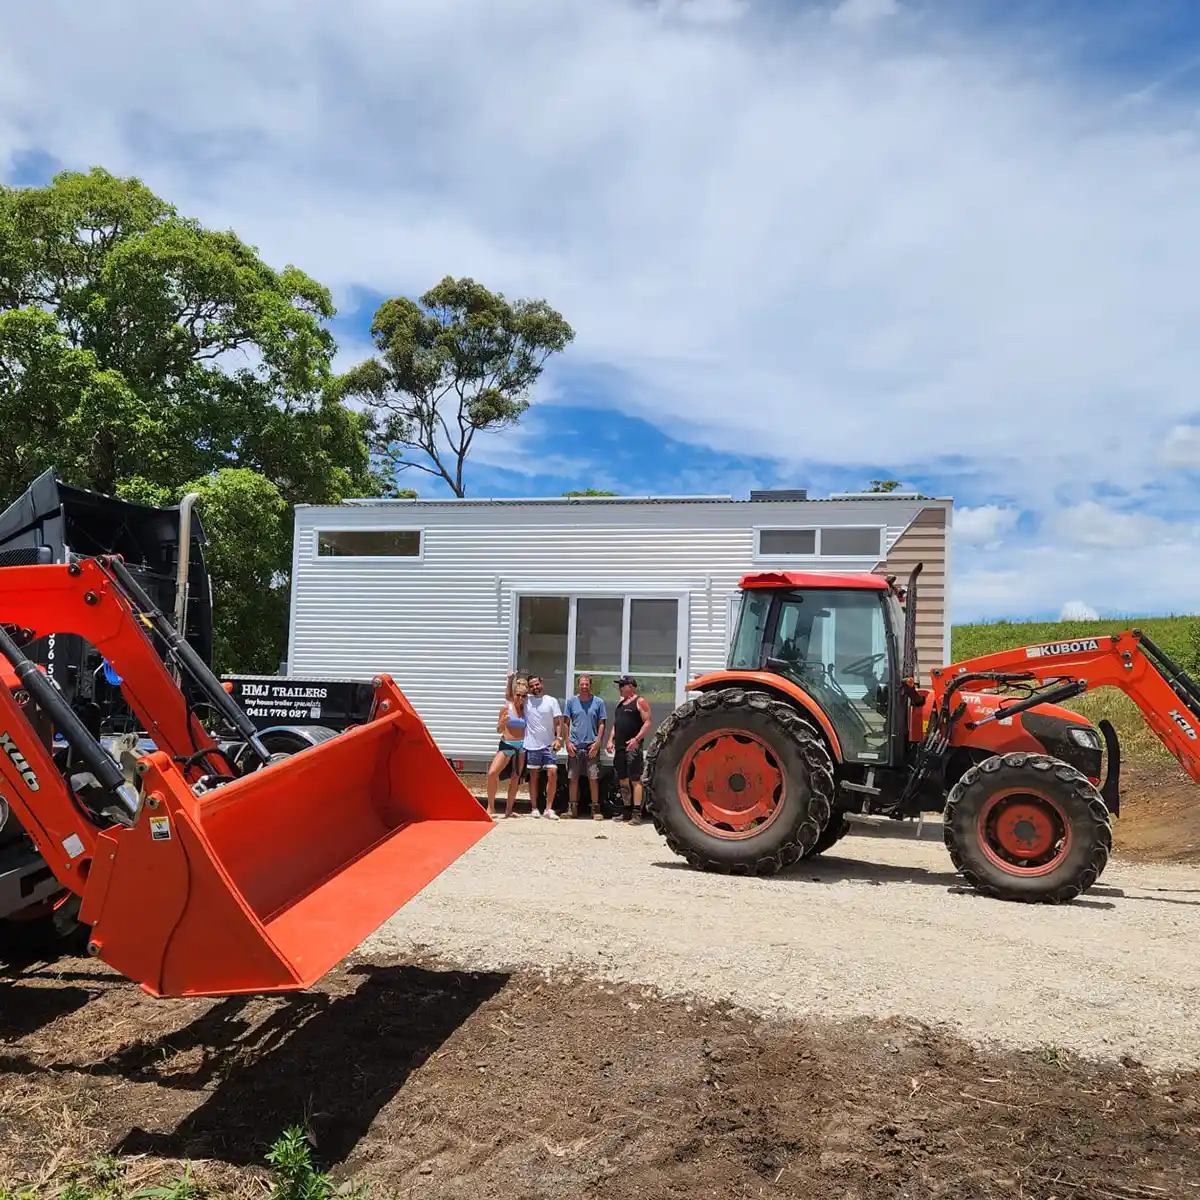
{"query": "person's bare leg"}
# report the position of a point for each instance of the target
(551, 790)
(493, 781)
(572, 792)
(637, 802)
(620, 816)
(594, 785)
(514, 781)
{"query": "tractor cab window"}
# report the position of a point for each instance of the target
(833, 644)
(746, 652)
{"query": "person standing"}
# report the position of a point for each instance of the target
(585, 716)
(543, 721)
(631, 724)
(510, 725)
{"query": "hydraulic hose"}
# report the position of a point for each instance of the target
(51, 701)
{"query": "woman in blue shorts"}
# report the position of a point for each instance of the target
(510, 725)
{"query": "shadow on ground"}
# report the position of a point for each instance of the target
(224, 1085)
(829, 868)
(329, 1063)
(27, 1009)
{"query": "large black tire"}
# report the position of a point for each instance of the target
(1063, 823)
(835, 829)
(793, 748)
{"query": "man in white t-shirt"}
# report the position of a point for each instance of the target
(543, 719)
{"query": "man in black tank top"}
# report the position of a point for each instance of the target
(631, 724)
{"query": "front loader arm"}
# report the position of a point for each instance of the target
(1169, 699)
(81, 598)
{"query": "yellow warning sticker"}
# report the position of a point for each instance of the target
(160, 829)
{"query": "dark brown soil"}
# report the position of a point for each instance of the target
(1160, 815)
(438, 1083)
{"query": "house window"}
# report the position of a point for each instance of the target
(787, 541)
(563, 637)
(826, 541)
(368, 543)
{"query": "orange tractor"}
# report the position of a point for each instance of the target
(821, 713)
(208, 866)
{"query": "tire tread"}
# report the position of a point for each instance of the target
(810, 825)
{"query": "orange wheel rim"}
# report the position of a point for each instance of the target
(731, 784)
(1024, 833)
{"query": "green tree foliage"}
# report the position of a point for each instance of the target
(459, 363)
(141, 352)
(883, 485)
(248, 526)
(589, 492)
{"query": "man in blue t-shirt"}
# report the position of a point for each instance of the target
(586, 715)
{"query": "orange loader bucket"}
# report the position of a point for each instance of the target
(264, 884)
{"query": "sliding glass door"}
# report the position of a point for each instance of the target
(604, 636)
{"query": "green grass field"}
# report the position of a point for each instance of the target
(1178, 636)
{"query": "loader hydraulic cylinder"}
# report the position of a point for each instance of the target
(53, 703)
(197, 667)
(1051, 695)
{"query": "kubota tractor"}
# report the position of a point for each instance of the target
(820, 713)
(208, 866)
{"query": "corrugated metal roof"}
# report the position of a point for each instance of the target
(548, 501)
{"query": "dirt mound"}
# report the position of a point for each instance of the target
(453, 1083)
(1160, 815)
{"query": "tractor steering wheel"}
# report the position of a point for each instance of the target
(860, 665)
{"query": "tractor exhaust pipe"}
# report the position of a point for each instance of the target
(185, 553)
(908, 668)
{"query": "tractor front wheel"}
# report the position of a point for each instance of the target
(835, 829)
(738, 783)
(1027, 827)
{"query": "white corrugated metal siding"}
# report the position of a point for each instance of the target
(443, 625)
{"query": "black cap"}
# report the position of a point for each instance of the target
(626, 679)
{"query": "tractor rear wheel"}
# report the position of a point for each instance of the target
(1027, 827)
(738, 783)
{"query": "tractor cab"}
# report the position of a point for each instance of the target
(839, 640)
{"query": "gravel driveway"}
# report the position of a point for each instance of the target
(879, 927)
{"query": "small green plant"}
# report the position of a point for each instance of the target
(296, 1178)
(99, 1179)
(178, 1189)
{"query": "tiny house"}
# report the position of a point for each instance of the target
(448, 596)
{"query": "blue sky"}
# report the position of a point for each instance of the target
(801, 243)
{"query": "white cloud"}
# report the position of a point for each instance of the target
(859, 14)
(712, 11)
(790, 239)
(1181, 447)
(1128, 565)
(1091, 524)
(1076, 610)
(985, 525)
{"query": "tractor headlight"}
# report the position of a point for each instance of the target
(1088, 738)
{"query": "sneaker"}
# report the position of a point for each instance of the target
(535, 812)
(551, 815)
